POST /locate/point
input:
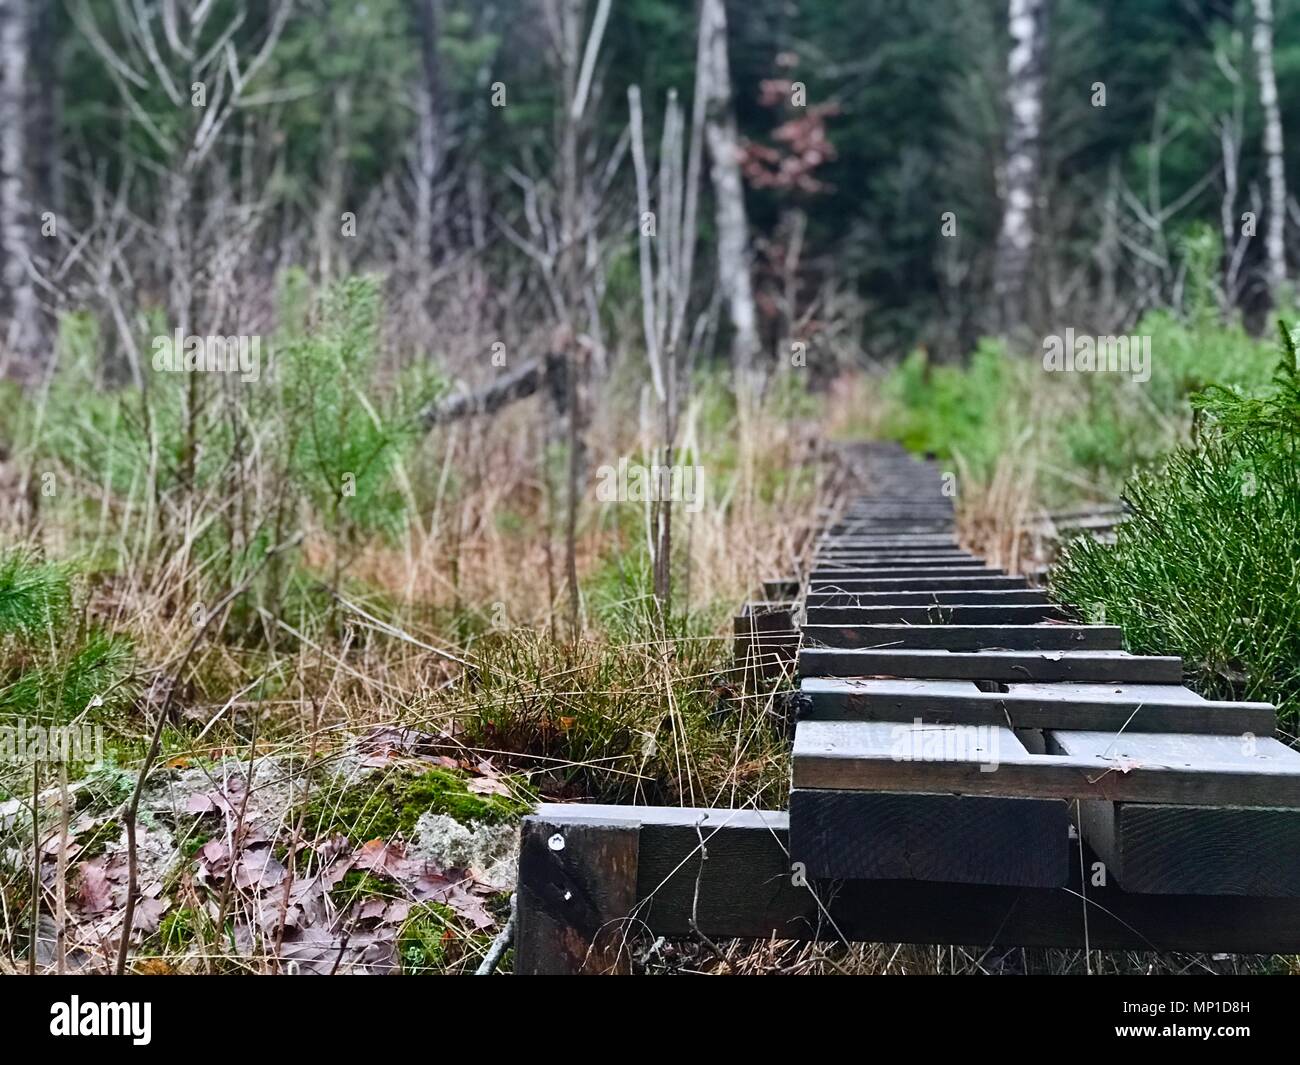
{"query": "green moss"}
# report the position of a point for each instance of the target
(192, 844)
(435, 939)
(357, 885)
(179, 928)
(389, 804)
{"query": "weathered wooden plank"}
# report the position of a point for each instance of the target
(936, 614)
(915, 757)
(1042, 637)
(955, 838)
(850, 548)
(1254, 753)
(1141, 707)
(896, 512)
(895, 522)
(885, 756)
(856, 585)
(974, 597)
(954, 568)
(923, 664)
(1133, 694)
(949, 558)
(904, 506)
(891, 524)
(895, 528)
(1196, 850)
(745, 888)
(875, 525)
(577, 885)
(918, 540)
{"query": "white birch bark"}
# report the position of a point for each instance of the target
(16, 220)
(1025, 76)
(1275, 232)
(714, 79)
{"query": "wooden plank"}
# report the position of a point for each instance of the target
(1196, 850)
(888, 518)
(781, 588)
(967, 614)
(974, 597)
(955, 838)
(891, 524)
(954, 568)
(892, 512)
(905, 506)
(1041, 637)
(766, 640)
(939, 542)
(1248, 753)
(924, 664)
(745, 888)
(909, 526)
(919, 540)
(577, 887)
(989, 760)
(912, 524)
(984, 582)
(1141, 707)
(846, 547)
(1133, 694)
(951, 558)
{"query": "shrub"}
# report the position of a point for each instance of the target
(1207, 565)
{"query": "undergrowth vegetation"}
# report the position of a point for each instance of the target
(338, 641)
(1208, 566)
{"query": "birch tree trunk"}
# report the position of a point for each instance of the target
(1275, 234)
(1025, 76)
(728, 188)
(44, 106)
(429, 206)
(16, 213)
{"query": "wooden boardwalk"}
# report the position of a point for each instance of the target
(972, 764)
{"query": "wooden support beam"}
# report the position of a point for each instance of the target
(577, 887)
(766, 640)
(745, 888)
(874, 835)
(781, 588)
(1196, 850)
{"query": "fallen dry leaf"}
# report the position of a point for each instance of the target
(94, 892)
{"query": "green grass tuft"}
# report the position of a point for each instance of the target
(1207, 566)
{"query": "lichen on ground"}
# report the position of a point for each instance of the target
(489, 852)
